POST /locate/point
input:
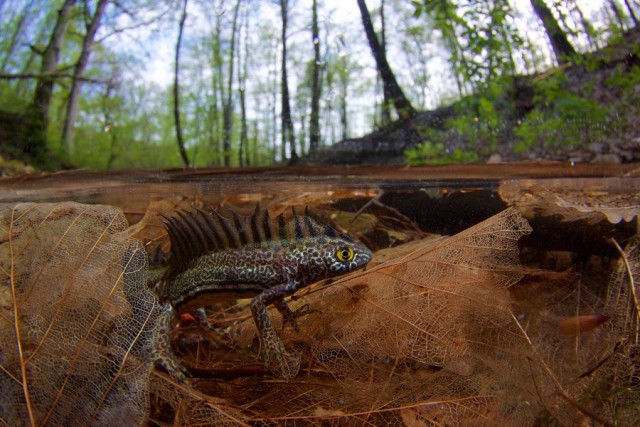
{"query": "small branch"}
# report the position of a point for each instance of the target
(141, 24)
(26, 76)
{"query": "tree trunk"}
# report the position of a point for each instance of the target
(34, 147)
(314, 125)
(78, 72)
(385, 112)
(112, 133)
(631, 13)
(400, 102)
(14, 37)
(562, 49)
(617, 13)
(446, 18)
(274, 116)
(176, 90)
(253, 152)
(588, 28)
(218, 93)
(343, 107)
(227, 117)
(287, 123)
(243, 152)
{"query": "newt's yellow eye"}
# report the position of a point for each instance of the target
(345, 254)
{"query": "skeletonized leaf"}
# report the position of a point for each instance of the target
(76, 319)
(576, 199)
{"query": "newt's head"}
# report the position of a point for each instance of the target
(328, 256)
(343, 255)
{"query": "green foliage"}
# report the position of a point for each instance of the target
(429, 153)
(481, 38)
(627, 81)
(481, 119)
(562, 119)
(114, 135)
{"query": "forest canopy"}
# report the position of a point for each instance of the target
(166, 83)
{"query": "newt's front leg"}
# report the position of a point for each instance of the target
(163, 355)
(280, 362)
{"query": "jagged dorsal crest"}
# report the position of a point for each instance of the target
(196, 232)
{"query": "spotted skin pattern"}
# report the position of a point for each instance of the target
(259, 257)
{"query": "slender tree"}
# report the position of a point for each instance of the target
(243, 152)
(176, 89)
(20, 23)
(589, 31)
(385, 111)
(218, 92)
(106, 112)
(400, 102)
(314, 124)
(343, 75)
(562, 49)
(227, 113)
(34, 148)
(634, 18)
(447, 21)
(79, 70)
(274, 116)
(617, 13)
(287, 124)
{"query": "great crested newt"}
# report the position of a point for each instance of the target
(214, 258)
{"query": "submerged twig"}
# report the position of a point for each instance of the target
(16, 324)
(561, 390)
(632, 284)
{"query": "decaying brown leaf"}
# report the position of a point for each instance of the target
(576, 199)
(76, 319)
(576, 325)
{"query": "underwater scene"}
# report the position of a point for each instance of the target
(462, 300)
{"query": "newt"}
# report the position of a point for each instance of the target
(214, 258)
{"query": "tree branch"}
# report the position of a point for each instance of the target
(27, 76)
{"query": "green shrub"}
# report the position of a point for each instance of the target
(562, 119)
(435, 153)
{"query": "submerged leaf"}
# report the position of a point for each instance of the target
(578, 324)
(76, 319)
(575, 199)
